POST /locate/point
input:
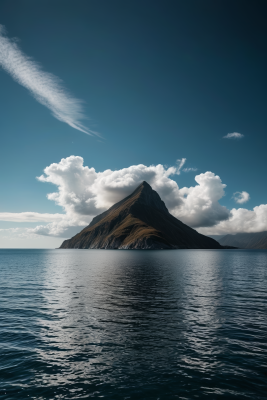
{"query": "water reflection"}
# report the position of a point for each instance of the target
(106, 313)
(147, 324)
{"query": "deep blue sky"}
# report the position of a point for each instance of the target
(161, 80)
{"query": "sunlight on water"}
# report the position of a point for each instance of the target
(133, 324)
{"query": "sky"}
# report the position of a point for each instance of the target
(97, 96)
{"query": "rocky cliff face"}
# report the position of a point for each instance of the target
(140, 221)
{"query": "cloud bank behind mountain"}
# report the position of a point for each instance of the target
(83, 193)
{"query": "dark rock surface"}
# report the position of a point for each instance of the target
(140, 221)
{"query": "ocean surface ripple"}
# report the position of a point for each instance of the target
(79, 324)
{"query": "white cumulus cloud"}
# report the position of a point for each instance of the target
(43, 86)
(84, 193)
(234, 135)
(201, 205)
(241, 197)
(241, 220)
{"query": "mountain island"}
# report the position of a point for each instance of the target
(140, 221)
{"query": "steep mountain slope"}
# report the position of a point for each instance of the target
(140, 221)
(256, 240)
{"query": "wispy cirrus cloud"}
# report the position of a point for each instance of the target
(189, 169)
(46, 88)
(181, 163)
(234, 135)
(180, 168)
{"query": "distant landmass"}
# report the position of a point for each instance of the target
(140, 221)
(257, 240)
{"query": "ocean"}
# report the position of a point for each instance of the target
(133, 324)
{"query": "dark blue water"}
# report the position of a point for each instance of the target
(79, 324)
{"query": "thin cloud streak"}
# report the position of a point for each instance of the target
(189, 169)
(234, 135)
(46, 88)
(30, 217)
(181, 164)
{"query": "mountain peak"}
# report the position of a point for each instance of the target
(144, 194)
(144, 183)
(144, 186)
